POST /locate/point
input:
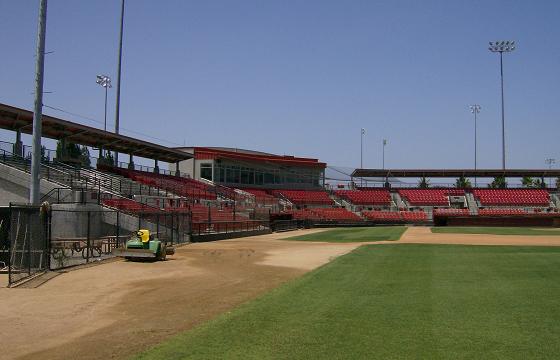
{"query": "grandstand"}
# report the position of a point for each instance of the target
(227, 184)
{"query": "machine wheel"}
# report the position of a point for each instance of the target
(162, 253)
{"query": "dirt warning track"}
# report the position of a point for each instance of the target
(119, 308)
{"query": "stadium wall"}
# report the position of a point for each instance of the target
(540, 221)
(14, 185)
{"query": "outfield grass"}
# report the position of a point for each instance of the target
(343, 235)
(402, 301)
(495, 230)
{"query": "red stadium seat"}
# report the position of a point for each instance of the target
(366, 197)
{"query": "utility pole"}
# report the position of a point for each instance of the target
(35, 184)
(117, 109)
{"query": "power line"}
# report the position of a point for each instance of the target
(101, 122)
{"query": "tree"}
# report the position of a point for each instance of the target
(106, 159)
(44, 154)
(558, 183)
(538, 184)
(463, 183)
(424, 183)
(498, 183)
(527, 181)
(69, 152)
(84, 156)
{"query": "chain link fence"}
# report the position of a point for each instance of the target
(81, 236)
(28, 246)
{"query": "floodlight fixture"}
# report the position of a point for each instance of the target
(104, 81)
(475, 108)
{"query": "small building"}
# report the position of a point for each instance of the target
(255, 169)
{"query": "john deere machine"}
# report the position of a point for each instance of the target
(143, 246)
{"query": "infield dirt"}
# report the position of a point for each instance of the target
(116, 309)
(119, 308)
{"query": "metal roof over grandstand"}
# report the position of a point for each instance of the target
(250, 155)
(13, 118)
(453, 173)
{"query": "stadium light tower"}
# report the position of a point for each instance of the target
(475, 109)
(384, 144)
(118, 104)
(550, 162)
(502, 47)
(104, 81)
(362, 133)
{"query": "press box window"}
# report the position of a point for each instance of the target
(206, 171)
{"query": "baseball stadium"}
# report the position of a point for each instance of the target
(115, 246)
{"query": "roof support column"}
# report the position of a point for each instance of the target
(130, 162)
(18, 146)
(177, 172)
(156, 167)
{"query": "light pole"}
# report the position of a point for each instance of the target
(383, 163)
(502, 47)
(104, 81)
(475, 109)
(550, 162)
(362, 133)
(35, 184)
(118, 104)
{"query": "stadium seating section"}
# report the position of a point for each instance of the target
(396, 216)
(383, 216)
(128, 205)
(324, 214)
(429, 197)
(200, 214)
(261, 196)
(305, 197)
(451, 212)
(512, 197)
(366, 197)
(181, 186)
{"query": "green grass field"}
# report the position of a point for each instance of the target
(396, 302)
(495, 230)
(378, 233)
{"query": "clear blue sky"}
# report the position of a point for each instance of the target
(302, 77)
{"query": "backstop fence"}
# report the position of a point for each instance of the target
(24, 233)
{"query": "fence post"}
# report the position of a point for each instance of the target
(157, 225)
(117, 240)
(88, 237)
(49, 239)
